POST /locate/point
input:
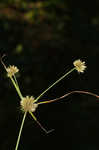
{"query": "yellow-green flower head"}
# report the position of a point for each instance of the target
(12, 70)
(79, 65)
(27, 104)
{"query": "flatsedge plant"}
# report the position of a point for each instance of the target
(29, 104)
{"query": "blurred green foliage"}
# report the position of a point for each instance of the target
(32, 23)
(29, 10)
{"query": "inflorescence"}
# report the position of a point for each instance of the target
(29, 104)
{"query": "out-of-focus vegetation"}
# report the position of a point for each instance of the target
(44, 20)
(30, 10)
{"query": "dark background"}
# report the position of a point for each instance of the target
(43, 38)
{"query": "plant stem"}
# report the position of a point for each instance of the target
(54, 84)
(40, 124)
(70, 93)
(16, 87)
(18, 140)
(16, 81)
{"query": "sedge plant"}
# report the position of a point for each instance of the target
(29, 104)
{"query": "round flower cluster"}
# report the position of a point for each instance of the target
(11, 70)
(28, 104)
(79, 65)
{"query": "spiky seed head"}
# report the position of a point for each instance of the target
(12, 70)
(28, 104)
(79, 65)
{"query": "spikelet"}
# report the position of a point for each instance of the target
(79, 65)
(27, 104)
(12, 70)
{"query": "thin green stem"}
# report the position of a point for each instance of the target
(33, 116)
(54, 84)
(16, 81)
(18, 139)
(16, 87)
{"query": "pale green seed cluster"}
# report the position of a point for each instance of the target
(12, 70)
(79, 65)
(27, 104)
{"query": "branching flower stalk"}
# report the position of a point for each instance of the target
(54, 84)
(30, 104)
